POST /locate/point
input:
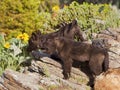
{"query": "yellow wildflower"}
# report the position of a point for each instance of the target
(55, 8)
(20, 36)
(23, 37)
(7, 45)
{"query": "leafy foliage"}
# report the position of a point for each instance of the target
(46, 5)
(28, 16)
(91, 18)
(12, 53)
(19, 15)
(24, 16)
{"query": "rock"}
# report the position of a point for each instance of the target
(53, 70)
(12, 80)
(113, 37)
(45, 74)
(118, 38)
(109, 80)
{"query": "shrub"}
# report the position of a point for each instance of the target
(24, 16)
(18, 16)
(91, 18)
(46, 5)
(28, 16)
(44, 22)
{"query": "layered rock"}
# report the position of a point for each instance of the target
(12, 80)
(113, 37)
(45, 74)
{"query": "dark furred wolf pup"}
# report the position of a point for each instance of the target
(69, 30)
(69, 50)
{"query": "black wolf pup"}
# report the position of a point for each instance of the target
(69, 50)
(70, 30)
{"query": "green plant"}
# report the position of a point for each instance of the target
(46, 70)
(52, 87)
(113, 19)
(18, 16)
(44, 22)
(25, 16)
(92, 18)
(28, 16)
(46, 5)
(12, 53)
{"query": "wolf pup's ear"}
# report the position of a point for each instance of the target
(36, 35)
(38, 32)
(74, 22)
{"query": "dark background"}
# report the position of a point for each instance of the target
(113, 2)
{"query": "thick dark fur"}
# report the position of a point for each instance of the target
(70, 31)
(101, 43)
(35, 41)
(69, 50)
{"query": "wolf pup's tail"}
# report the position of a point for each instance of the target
(106, 62)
